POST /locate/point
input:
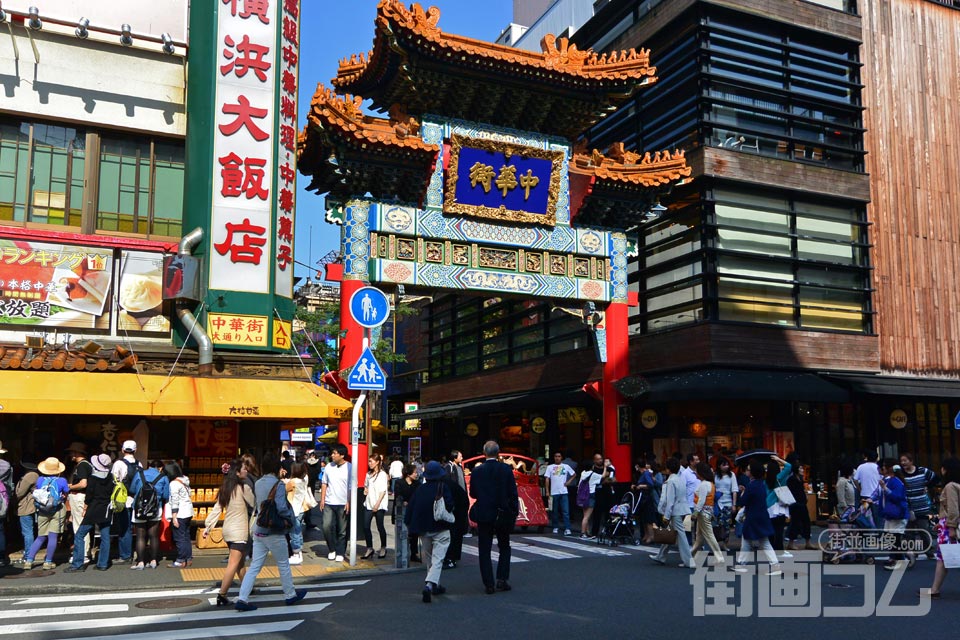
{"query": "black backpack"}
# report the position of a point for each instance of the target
(147, 504)
(268, 515)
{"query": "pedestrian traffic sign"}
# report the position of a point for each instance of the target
(367, 374)
(956, 421)
(369, 307)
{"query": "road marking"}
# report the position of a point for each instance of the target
(313, 595)
(146, 595)
(473, 551)
(569, 544)
(208, 632)
(139, 621)
(71, 611)
(548, 553)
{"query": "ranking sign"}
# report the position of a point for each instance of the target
(367, 374)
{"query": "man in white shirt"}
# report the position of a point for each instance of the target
(123, 470)
(867, 477)
(691, 482)
(335, 502)
(557, 475)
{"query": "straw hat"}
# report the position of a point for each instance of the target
(51, 467)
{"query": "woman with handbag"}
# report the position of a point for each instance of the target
(432, 519)
(272, 521)
(755, 518)
(947, 524)
(799, 515)
(375, 505)
(705, 498)
(728, 492)
(674, 507)
(235, 501)
(779, 499)
(301, 500)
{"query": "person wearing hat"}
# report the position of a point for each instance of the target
(96, 513)
(6, 478)
(82, 470)
(435, 534)
(26, 508)
(50, 522)
(124, 469)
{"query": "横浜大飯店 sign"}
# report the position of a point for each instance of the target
(502, 181)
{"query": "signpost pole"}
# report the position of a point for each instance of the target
(354, 454)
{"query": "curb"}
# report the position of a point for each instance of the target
(55, 589)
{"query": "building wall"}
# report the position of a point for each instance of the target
(561, 16)
(92, 82)
(911, 57)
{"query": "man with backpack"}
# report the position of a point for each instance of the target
(82, 470)
(6, 492)
(124, 471)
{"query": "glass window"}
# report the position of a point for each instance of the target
(14, 158)
(168, 181)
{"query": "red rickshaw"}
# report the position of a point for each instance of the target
(526, 470)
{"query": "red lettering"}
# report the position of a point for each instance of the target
(290, 30)
(249, 180)
(287, 174)
(249, 56)
(284, 257)
(292, 7)
(288, 108)
(249, 250)
(245, 114)
(286, 200)
(288, 137)
(285, 228)
(289, 83)
(290, 56)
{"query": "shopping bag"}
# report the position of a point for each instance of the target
(951, 555)
(166, 535)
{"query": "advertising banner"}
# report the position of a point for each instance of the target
(61, 286)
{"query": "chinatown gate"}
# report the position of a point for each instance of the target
(479, 178)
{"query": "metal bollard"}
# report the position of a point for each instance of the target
(402, 550)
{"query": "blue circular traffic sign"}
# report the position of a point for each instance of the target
(369, 307)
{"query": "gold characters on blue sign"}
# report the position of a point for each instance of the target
(482, 174)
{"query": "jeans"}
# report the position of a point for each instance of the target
(746, 546)
(28, 526)
(296, 534)
(76, 502)
(262, 545)
(434, 549)
(181, 538)
(368, 518)
(124, 532)
(485, 533)
(561, 510)
(103, 557)
(683, 545)
(335, 528)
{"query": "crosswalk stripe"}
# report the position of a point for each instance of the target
(548, 553)
(312, 595)
(227, 631)
(71, 611)
(139, 621)
(167, 593)
(568, 544)
(473, 551)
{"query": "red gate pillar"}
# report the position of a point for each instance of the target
(616, 367)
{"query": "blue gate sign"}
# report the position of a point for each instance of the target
(369, 307)
(367, 375)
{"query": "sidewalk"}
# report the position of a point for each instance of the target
(207, 570)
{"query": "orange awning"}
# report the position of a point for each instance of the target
(58, 392)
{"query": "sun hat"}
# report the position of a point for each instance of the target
(433, 471)
(51, 467)
(130, 446)
(77, 447)
(2, 450)
(101, 462)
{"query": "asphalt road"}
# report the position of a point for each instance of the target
(562, 589)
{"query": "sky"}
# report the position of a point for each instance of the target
(333, 29)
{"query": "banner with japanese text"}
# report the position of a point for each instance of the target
(241, 185)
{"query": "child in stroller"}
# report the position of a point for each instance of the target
(620, 526)
(843, 545)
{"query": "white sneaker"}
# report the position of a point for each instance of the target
(296, 558)
(775, 571)
(567, 532)
(332, 555)
(741, 569)
(468, 535)
(339, 558)
(787, 554)
(555, 530)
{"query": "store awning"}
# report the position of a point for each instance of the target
(896, 386)
(499, 404)
(742, 384)
(49, 392)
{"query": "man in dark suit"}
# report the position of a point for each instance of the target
(494, 488)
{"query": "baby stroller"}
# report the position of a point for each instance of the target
(840, 545)
(621, 524)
